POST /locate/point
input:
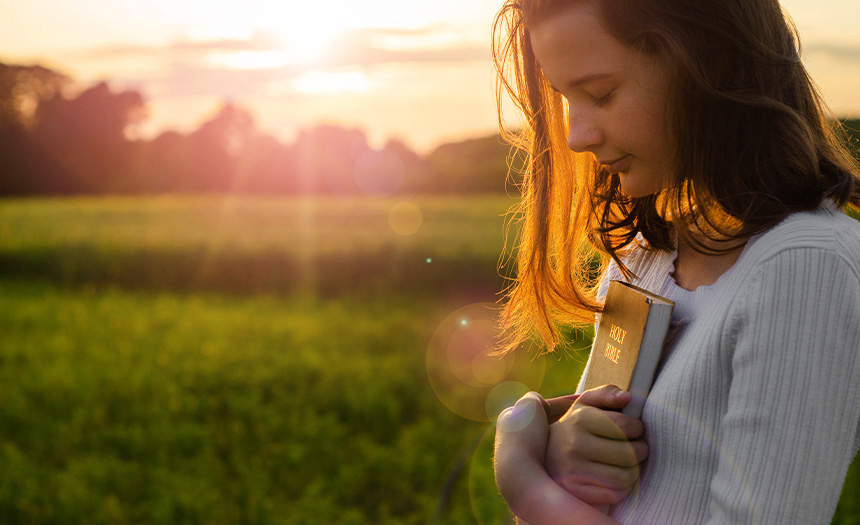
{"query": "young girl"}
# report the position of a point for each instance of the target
(680, 145)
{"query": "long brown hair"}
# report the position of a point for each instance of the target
(754, 145)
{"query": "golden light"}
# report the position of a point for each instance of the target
(307, 32)
(250, 59)
(309, 43)
(316, 82)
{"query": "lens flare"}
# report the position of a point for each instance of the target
(503, 396)
(464, 375)
(379, 173)
(405, 218)
(469, 349)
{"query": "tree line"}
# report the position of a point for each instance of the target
(56, 138)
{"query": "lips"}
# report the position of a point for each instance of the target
(617, 165)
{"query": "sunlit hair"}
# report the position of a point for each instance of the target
(753, 142)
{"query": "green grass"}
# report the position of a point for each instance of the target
(141, 407)
(284, 245)
(144, 381)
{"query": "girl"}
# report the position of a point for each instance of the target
(681, 145)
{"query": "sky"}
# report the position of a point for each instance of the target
(417, 71)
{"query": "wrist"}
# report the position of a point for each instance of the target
(534, 497)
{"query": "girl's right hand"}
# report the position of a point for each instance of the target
(593, 450)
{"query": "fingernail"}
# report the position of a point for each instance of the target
(518, 416)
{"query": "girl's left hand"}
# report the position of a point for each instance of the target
(521, 440)
(594, 451)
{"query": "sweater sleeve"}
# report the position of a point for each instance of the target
(789, 431)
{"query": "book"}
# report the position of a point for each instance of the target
(629, 342)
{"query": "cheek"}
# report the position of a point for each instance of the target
(630, 122)
(654, 126)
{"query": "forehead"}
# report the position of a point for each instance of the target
(574, 42)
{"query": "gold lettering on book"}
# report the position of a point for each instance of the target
(617, 334)
(612, 353)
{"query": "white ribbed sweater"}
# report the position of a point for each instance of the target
(754, 416)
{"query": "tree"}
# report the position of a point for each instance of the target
(471, 166)
(325, 158)
(266, 165)
(86, 135)
(25, 168)
(217, 146)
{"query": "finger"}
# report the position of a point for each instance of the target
(624, 454)
(607, 397)
(595, 495)
(616, 479)
(640, 450)
(611, 452)
(630, 427)
(604, 484)
(605, 423)
(526, 412)
(558, 406)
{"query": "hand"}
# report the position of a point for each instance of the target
(593, 450)
(521, 444)
(521, 440)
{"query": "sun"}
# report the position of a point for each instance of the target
(318, 82)
(310, 43)
(307, 32)
(269, 59)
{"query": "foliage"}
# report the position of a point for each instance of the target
(158, 408)
(473, 166)
(55, 140)
(852, 130)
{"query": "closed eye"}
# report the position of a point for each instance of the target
(603, 99)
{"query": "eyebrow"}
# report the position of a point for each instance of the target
(583, 80)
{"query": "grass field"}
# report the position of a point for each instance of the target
(139, 407)
(206, 360)
(328, 246)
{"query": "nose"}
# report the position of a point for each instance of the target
(584, 133)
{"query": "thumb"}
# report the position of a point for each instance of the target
(523, 429)
(529, 409)
(606, 397)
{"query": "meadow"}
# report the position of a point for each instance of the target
(250, 360)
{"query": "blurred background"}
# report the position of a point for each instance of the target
(251, 253)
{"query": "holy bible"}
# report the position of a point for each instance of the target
(629, 342)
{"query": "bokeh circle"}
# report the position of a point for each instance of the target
(379, 173)
(405, 218)
(465, 375)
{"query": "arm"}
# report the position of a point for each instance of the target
(521, 437)
(788, 434)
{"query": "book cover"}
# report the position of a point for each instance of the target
(629, 342)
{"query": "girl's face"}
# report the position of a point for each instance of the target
(617, 98)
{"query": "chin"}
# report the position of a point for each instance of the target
(635, 187)
(635, 192)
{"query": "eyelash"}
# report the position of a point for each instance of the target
(602, 101)
(597, 101)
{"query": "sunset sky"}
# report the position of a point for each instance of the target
(415, 70)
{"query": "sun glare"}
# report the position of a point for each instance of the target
(250, 59)
(308, 42)
(332, 82)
